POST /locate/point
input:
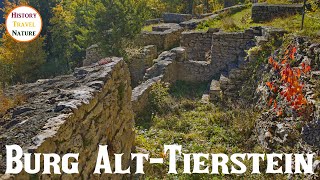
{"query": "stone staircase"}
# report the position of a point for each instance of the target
(230, 83)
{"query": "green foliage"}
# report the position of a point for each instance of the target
(280, 1)
(20, 61)
(198, 128)
(158, 7)
(242, 20)
(61, 30)
(160, 100)
(117, 22)
(45, 10)
(234, 22)
(72, 27)
(187, 89)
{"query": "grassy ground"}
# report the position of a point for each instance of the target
(276, 1)
(242, 20)
(198, 127)
(149, 27)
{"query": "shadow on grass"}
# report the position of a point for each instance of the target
(193, 91)
(178, 91)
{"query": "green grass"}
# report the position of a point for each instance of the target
(236, 22)
(277, 1)
(149, 27)
(242, 20)
(198, 127)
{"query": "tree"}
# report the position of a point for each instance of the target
(303, 13)
(118, 21)
(71, 27)
(61, 29)
(20, 61)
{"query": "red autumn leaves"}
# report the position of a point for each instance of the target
(288, 84)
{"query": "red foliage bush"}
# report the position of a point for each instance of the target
(287, 86)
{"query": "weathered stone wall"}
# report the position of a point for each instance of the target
(153, 21)
(219, 47)
(202, 56)
(74, 113)
(219, 52)
(175, 17)
(232, 9)
(195, 71)
(167, 36)
(140, 94)
(93, 55)
(197, 44)
(267, 12)
(193, 23)
(139, 62)
(165, 69)
(228, 48)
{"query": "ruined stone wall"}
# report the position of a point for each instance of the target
(164, 36)
(93, 55)
(193, 23)
(197, 44)
(229, 48)
(195, 71)
(74, 113)
(266, 12)
(140, 61)
(203, 46)
(176, 18)
(226, 54)
(140, 94)
(211, 53)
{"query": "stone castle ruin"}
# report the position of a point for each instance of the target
(97, 103)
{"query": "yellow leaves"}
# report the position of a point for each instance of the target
(9, 102)
(5, 103)
(20, 60)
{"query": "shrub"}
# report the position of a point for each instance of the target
(229, 24)
(7, 102)
(160, 100)
(287, 89)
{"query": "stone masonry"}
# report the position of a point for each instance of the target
(202, 57)
(74, 113)
(216, 47)
(140, 61)
(176, 18)
(93, 55)
(164, 36)
(267, 12)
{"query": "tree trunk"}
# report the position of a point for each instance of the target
(303, 13)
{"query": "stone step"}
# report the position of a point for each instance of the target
(215, 90)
